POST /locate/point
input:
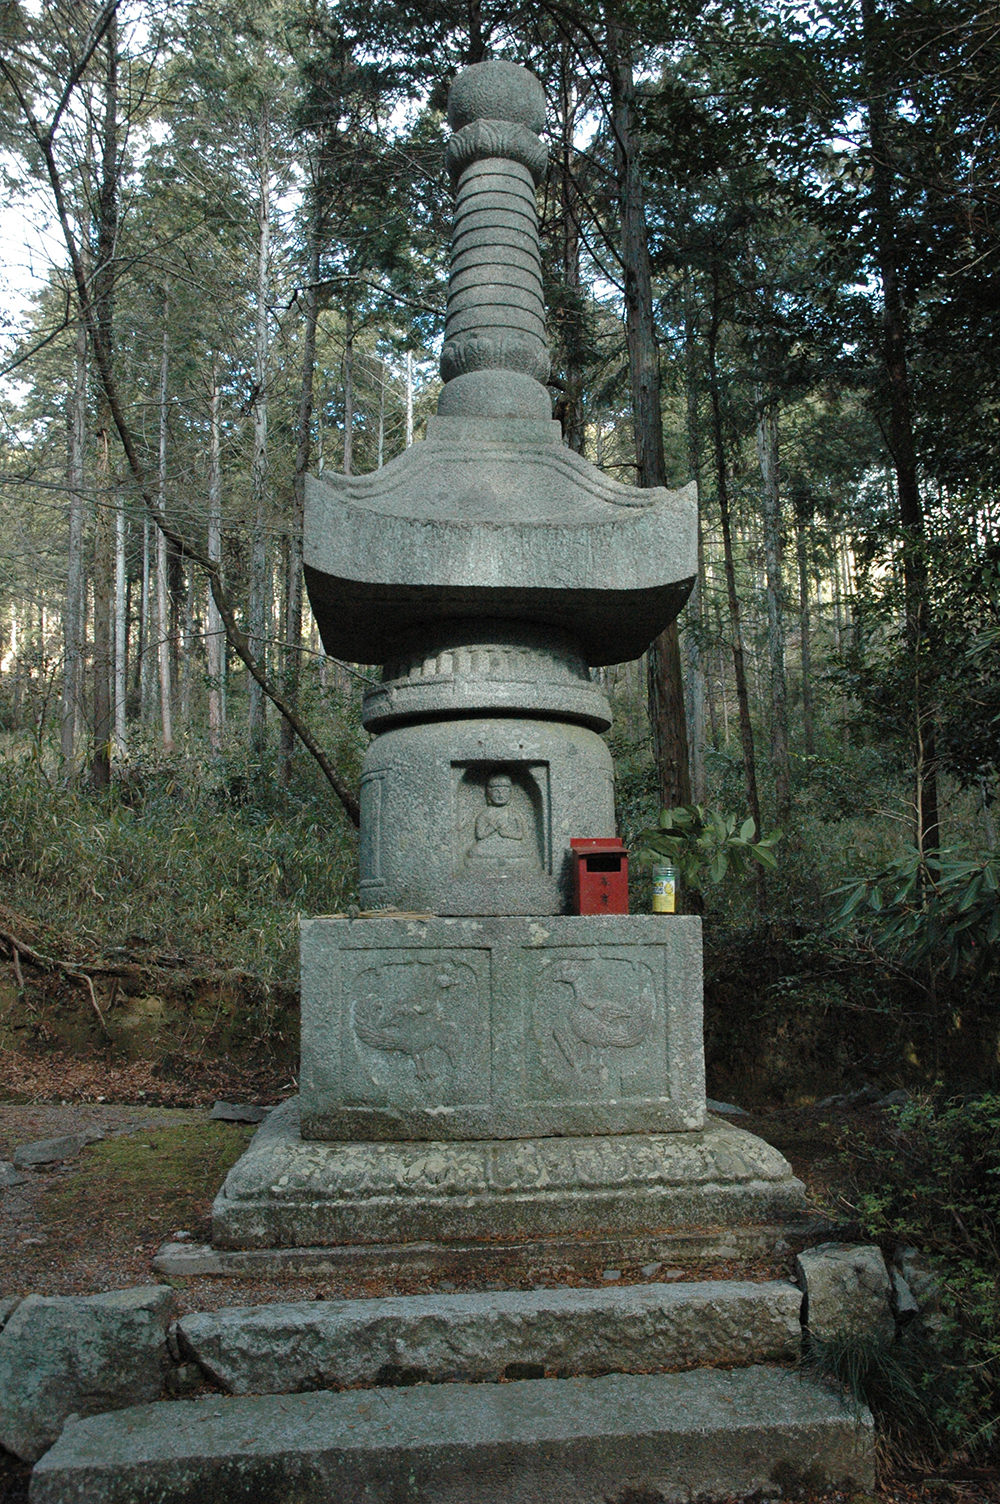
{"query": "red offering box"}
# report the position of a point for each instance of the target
(600, 875)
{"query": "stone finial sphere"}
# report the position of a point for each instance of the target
(496, 91)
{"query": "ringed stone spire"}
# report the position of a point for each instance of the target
(495, 359)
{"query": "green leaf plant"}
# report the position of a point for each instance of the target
(705, 845)
(940, 911)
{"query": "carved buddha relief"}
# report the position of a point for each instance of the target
(499, 822)
(498, 827)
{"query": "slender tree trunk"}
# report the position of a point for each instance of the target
(72, 690)
(303, 445)
(409, 399)
(15, 656)
(381, 415)
(121, 629)
(349, 392)
(722, 489)
(803, 522)
(259, 604)
(104, 293)
(901, 441)
(187, 650)
(665, 688)
(695, 677)
(162, 594)
(767, 458)
(145, 630)
(477, 40)
(214, 631)
(570, 405)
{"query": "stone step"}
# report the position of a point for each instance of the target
(513, 1334)
(712, 1434)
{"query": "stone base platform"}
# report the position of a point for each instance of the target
(294, 1193)
(483, 1263)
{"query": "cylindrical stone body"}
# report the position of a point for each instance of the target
(474, 816)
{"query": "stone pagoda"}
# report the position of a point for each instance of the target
(477, 1061)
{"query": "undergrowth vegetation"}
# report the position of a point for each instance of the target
(932, 1182)
(180, 855)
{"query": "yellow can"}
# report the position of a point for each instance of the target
(666, 886)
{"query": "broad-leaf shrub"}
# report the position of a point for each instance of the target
(941, 910)
(704, 844)
(933, 1182)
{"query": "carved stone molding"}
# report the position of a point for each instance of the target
(496, 138)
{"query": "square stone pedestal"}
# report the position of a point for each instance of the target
(501, 1028)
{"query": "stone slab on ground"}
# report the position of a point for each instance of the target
(238, 1112)
(8, 1305)
(712, 1433)
(10, 1175)
(294, 1193)
(498, 1028)
(847, 1291)
(307, 1345)
(50, 1150)
(66, 1354)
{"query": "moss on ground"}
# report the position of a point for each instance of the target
(147, 1184)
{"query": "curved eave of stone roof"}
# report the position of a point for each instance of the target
(352, 535)
(529, 481)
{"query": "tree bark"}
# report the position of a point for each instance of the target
(409, 399)
(145, 632)
(349, 391)
(735, 622)
(569, 408)
(258, 612)
(694, 704)
(901, 441)
(303, 447)
(665, 688)
(187, 650)
(104, 307)
(767, 458)
(72, 689)
(803, 522)
(121, 629)
(162, 594)
(214, 633)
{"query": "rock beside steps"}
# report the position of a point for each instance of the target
(711, 1432)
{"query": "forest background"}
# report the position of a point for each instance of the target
(771, 246)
